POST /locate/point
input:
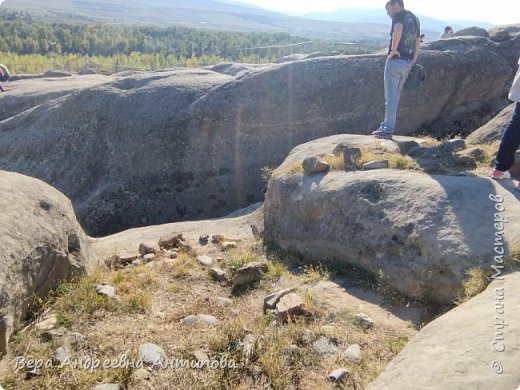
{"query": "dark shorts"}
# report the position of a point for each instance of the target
(4, 78)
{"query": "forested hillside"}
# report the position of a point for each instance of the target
(26, 37)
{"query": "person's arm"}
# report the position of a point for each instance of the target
(417, 48)
(396, 38)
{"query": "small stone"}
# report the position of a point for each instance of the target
(53, 334)
(290, 305)
(113, 262)
(148, 247)
(171, 242)
(170, 254)
(227, 245)
(200, 355)
(452, 146)
(202, 318)
(205, 260)
(272, 300)
(217, 273)
(137, 262)
(338, 375)
(141, 375)
(217, 238)
(33, 373)
(376, 164)
(351, 157)
(470, 156)
(189, 320)
(107, 290)
(314, 165)
(364, 321)
(48, 322)
(149, 256)
(151, 354)
(222, 302)
(338, 150)
(203, 239)
(353, 353)
(249, 274)
(324, 346)
(127, 260)
(108, 386)
(60, 356)
(208, 319)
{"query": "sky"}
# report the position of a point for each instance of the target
(496, 12)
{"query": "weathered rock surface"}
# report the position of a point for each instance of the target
(422, 231)
(472, 32)
(493, 130)
(152, 148)
(151, 354)
(460, 350)
(41, 243)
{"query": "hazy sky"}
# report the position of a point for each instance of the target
(496, 12)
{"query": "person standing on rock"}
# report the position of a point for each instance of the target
(448, 33)
(405, 41)
(511, 138)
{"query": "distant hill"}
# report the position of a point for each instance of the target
(432, 27)
(209, 14)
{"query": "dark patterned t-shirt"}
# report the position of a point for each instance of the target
(411, 31)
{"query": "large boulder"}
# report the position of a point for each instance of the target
(474, 346)
(472, 32)
(421, 232)
(492, 131)
(41, 244)
(148, 148)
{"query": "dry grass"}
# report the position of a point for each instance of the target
(337, 163)
(395, 159)
(289, 169)
(153, 300)
(490, 150)
(477, 280)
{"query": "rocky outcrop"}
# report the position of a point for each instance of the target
(158, 147)
(474, 346)
(421, 232)
(472, 32)
(32, 90)
(41, 244)
(493, 130)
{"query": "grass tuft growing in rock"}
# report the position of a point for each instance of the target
(477, 280)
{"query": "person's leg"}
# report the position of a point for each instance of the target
(396, 72)
(509, 143)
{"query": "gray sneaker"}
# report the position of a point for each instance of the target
(383, 135)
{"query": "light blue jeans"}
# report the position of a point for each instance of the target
(396, 72)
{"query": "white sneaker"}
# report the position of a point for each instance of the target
(499, 175)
